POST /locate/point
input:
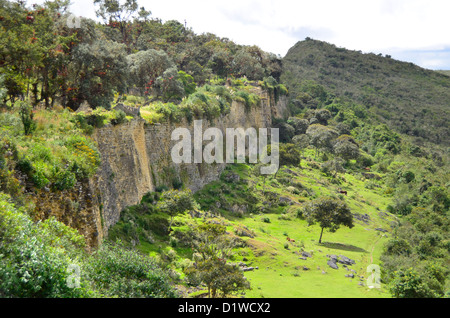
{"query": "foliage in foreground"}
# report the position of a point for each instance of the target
(47, 260)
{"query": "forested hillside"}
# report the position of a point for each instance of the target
(398, 114)
(50, 57)
(412, 100)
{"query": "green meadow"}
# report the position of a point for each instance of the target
(281, 272)
(248, 205)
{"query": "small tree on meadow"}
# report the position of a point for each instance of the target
(330, 213)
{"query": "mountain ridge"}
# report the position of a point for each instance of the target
(394, 91)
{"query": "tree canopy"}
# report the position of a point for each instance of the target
(329, 213)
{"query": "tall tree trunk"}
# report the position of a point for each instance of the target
(320, 239)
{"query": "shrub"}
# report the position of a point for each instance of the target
(81, 121)
(39, 176)
(188, 82)
(120, 272)
(26, 115)
(249, 100)
(64, 180)
(32, 264)
(161, 188)
(119, 117)
(169, 111)
(24, 165)
(398, 247)
(410, 284)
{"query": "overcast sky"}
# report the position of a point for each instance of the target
(410, 30)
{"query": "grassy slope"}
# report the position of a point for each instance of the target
(280, 272)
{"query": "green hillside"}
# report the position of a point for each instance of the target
(413, 100)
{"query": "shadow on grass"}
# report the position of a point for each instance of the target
(344, 247)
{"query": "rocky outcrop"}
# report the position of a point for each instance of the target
(78, 208)
(333, 260)
(124, 175)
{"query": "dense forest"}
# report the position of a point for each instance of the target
(363, 156)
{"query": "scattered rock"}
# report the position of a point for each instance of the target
(332, 264)
(306, 254)
(333, 258)
(84, 107)
(303, 258)
(381, 230)
(129, 110)
(305, 268)
(362, 217)
(244, 231)
(285, 201)
(345, 260)
(239, 209)
(289, 171)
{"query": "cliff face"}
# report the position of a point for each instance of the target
(78, 208)
(136, 157)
